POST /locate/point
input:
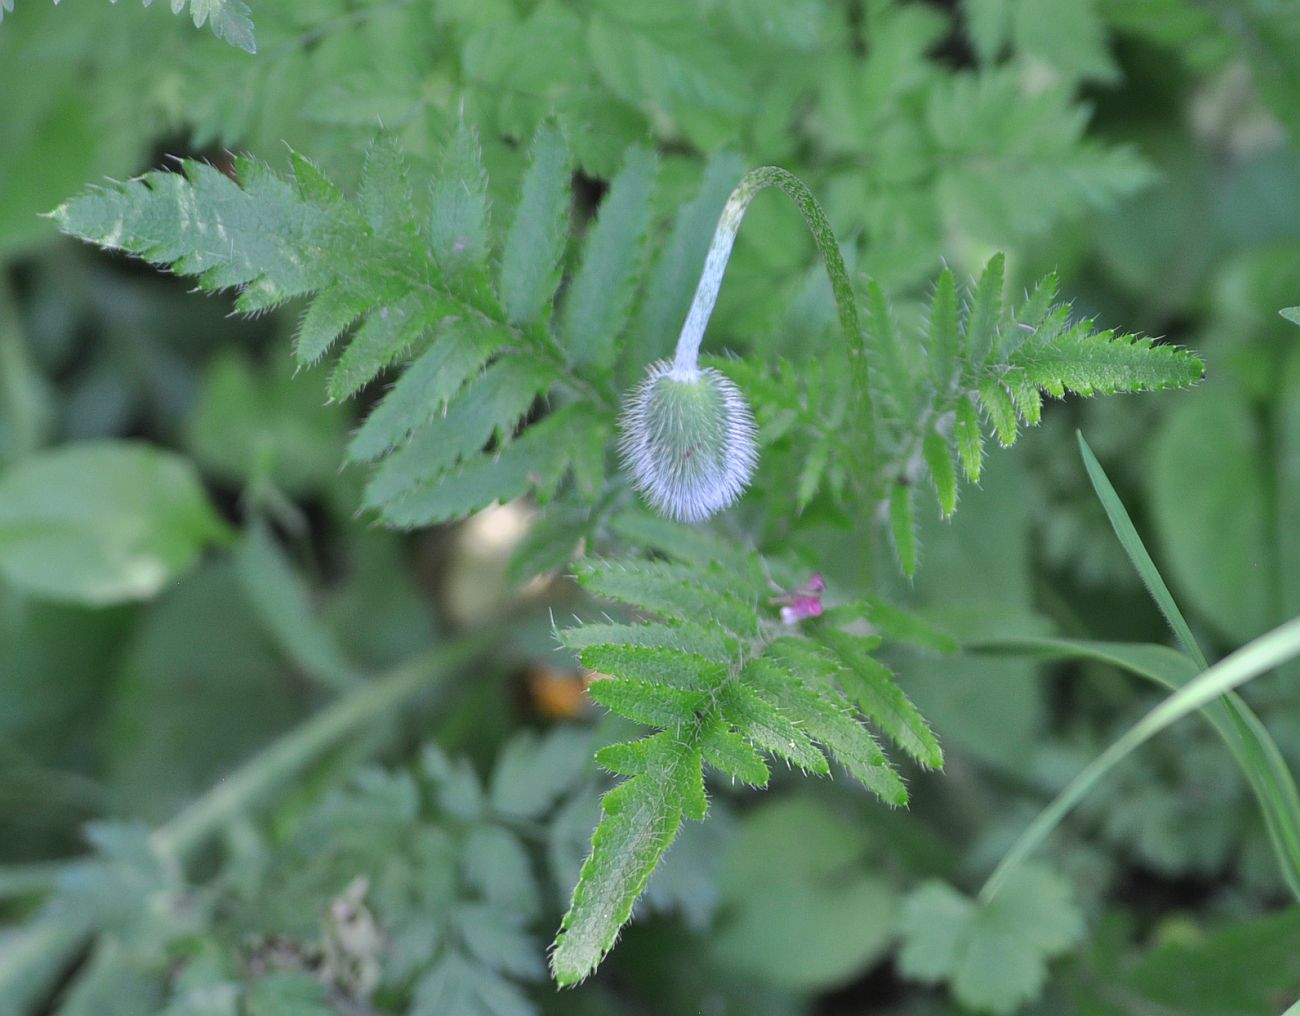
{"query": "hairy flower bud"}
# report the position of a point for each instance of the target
(688, 441)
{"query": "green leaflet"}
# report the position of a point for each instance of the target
(669, 591)
(388, 333)
(902, 526)
(537, 460)
(423, 390)
(640, 821)
(943, 472)
(459, 226)
(993, 952)
(871, 685)
(986, 312)
(945, 343)
(490, 404)
(596, 308)
(530, 262)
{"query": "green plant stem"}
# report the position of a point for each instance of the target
(823, 235)
(1256, 753)
(1255, 658)
(29, 964)
(254, 781)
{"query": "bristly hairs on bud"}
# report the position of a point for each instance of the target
(689, 438)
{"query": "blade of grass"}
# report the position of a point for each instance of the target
(1252, 746)
(1262, 763)
(1258, 657)
(1137, 553)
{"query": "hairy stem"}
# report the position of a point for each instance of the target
(685, 362)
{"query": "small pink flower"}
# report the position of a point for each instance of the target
(804, 602)
(801, 607)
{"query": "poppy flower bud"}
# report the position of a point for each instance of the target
(688, 441)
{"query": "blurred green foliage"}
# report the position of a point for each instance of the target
(198, 588)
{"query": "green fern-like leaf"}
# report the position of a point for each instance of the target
(401, 282)
(1003, 361)
(726, 683)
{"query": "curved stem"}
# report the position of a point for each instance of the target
(37, 956)
(686, 359)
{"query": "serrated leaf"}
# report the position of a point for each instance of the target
(641, 819)
(732, 754)
(831, 722)
(535, 461)
(423, 390)
(497, 866)
(458, 229)
(258, 234)
(986, 311)
(663, 666)
(327, 317)
(230, 20)
(902, 527)
(872, 686)
(668, 591)
(489, 405)
(945, 343)
(1028, 399)
(531, 258)
(1030, 316)
(385, 196)
(388, 333)
(491, 934)
(943, 472)
(997, 404)
(687, 638)
(597, 304)
(769, 728)
(970, 438)
(993, 955)
(811, 473)
(883, 336)
(1087, 362)
(655, 705)
(531, 772)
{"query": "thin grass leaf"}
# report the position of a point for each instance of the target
(1254, 749)
(1265, 653)
(1137, 553)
